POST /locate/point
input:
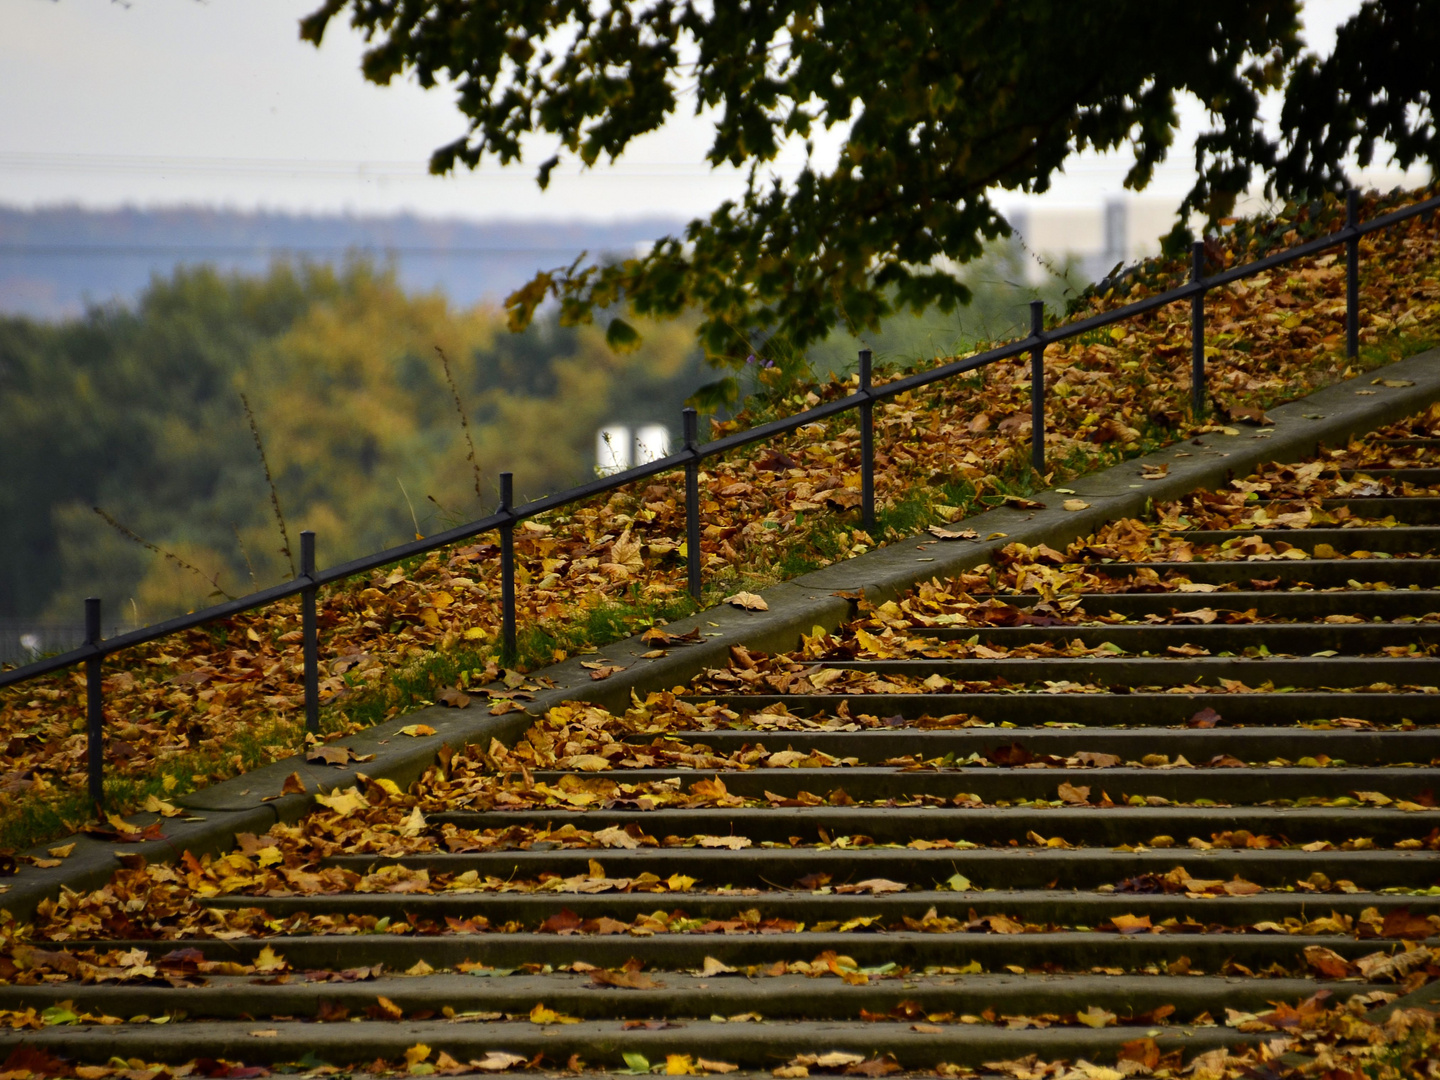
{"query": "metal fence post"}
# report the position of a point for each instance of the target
(509, 651)
(1352, 276)
(1037, 388)
(94, 710)
(867, 446)
(1197, 332)
(308, 632)
(689, 423)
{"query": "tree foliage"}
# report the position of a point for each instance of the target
(944, 104)
(138, 411)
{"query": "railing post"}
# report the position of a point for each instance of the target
(509, 651)
(1037, 388)
(94, 710)
(867, 446)
(1352, 275)
(689, 419)
(1197, 333)
(308, 632)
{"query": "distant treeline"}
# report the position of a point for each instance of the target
(139, 412)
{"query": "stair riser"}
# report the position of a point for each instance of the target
(1063, 908)
(1228, 785)
(1130, 744)
(1300, 640)
(683, 996)
(1130, 825)
(768, 868)
(1309, 672)
(1301, 606)
(1096, 710)
(1073, 951)
(601, 1044)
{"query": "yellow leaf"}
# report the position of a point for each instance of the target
(343, 802)
(416, 1054)
(1076, 504)
(63, 851)
(541, 1015)
(1095, 1017)
(270, 960)
(474, 633)
(679, 883)
(160, 806)
(416, 730)
(679, 1065)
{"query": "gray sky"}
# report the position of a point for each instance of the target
(153, 102)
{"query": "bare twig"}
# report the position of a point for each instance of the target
(249, 567)
(464, 423)
(130, 534)
(413, 519)
(285, 550)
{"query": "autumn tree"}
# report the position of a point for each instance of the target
(941, 104)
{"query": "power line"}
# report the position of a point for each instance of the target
(252, 251)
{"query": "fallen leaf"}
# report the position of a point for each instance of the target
(953, 534)
(1076, 504)
(454, 697)
(749, 601)
(417, 730)
(1096, 1017)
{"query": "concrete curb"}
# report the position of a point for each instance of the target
(252, 802)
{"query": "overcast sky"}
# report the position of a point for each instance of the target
(156, 102)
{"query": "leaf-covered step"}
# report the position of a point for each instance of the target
(1177, 784)
(608, 1045)
(981, 825)
(1032, 866)
(1062, 950)
(1019, 747)
(1309, 672)
(682, 996)
(1296, 638)
(1048, 702)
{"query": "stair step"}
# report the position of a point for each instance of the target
(1062, 950)
(1013, 868)
(1024, 708)
(1320, 573)
(1223, 785)
(1130, 744)
(1297, 638)
(1306, 671)
(1301, 606)
(1408, 539)
(600, 1042)
(1054, 908)
(689, 996)
(981, 825)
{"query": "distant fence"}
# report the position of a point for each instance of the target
(505, 518)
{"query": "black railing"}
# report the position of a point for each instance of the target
(93, 652)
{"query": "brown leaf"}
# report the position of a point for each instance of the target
(1399, 922)
(953, 534)
(625, 980)
(454, 697)
(601, 673)
(293, 785)
(748, 601)
(1328, 963)
(1205, 718)
(1076, 796)
(876, 1066)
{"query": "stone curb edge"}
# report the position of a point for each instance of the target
(252, 803)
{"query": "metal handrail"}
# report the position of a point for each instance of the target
(507, 516)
